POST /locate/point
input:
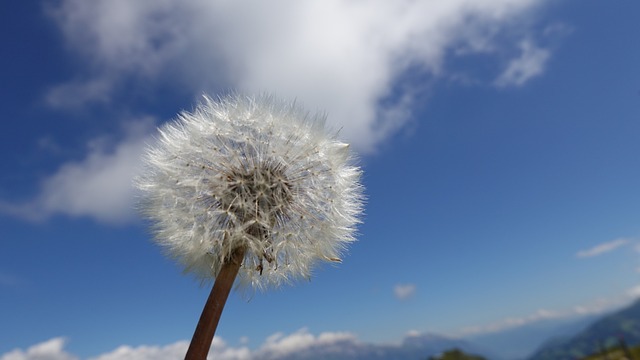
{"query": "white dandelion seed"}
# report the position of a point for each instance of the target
(255, 174)
(252, 188)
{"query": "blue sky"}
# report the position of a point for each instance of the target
(498, 139)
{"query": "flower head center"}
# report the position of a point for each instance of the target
(259, 195)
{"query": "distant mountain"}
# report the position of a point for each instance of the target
(412, 348)
(605, 332)
(520, 342)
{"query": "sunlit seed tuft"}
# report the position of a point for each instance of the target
(256, 173)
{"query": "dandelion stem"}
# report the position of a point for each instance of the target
(203, 336)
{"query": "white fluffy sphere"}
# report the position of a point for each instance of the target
(253, 173)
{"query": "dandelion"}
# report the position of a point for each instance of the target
(253, 188)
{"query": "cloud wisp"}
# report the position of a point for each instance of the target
(52, 349)
(99, 186)
(603, 248)
(277, 346)
(598, 306)
(404, 291)
(347, 58)
(531, 63)
(342, 56)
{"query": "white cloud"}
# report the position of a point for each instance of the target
(219, 350)
(597, 306)
(512, 322)
(634, 292)
(404, 291)
(280, 345)
(98, 186)
(48, 350)
(529, 64)
(77, 93)
(54, 350)
(277, 346)
(603, 248)
(145, 352)
(603, 305)
(342, 56)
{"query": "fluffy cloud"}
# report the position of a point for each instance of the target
(277, 346)
(343, 56)
(219, 350)
(169, 352)
(404, 291)
(280, 346)
(49, 350)
(98, 186)
(603, 248)
(528, 65)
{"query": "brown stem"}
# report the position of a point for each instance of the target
(203, 336)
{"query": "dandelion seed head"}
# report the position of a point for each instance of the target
(255, 173)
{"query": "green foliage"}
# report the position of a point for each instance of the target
(616, 353)
(455, 354)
